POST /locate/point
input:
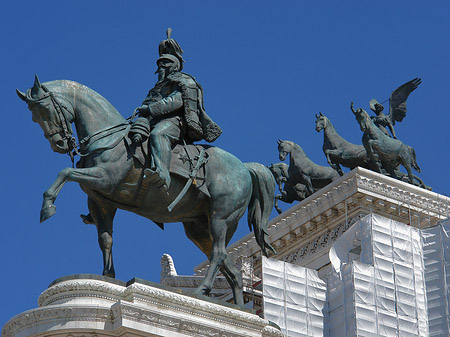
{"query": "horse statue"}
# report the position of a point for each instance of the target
(110, 175)
(339, 151)
(388, 153)
(291, 191)
(303, 170)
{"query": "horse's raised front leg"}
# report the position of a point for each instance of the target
(278, 197)
(103, 216)
(94, 177)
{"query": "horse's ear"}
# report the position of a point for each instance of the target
(317, 116)
(35, 90)
(320, 114)
(279, 141)
(21, 95)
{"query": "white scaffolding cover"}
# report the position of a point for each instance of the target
(437, 277)
(294, 298)
(384, 293)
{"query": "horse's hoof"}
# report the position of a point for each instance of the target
(201, 291)
(47, 212)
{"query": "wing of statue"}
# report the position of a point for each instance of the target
(397, 101)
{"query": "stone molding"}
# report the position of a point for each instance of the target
(87, 307)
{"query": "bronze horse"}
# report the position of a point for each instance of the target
(109, 175)
(291, 191)
(303, 170)
(386, 152)
(338, 150)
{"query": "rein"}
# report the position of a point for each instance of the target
(89, 140)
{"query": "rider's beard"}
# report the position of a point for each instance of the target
(161, 74)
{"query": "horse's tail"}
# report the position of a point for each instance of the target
(261, 203)
(413, 159)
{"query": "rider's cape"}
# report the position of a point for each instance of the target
(199, 124)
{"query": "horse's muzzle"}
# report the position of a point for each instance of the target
(59, 144)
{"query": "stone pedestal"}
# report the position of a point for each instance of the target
(91, 305)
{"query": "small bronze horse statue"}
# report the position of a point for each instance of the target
(339, 151)
(109, 175)
(291, 191)
(303, 170)
(386, 152)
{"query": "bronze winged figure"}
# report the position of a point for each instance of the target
(397, 107)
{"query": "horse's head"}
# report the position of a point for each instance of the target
(321, 122)
(279, 172)
(52, 115)
(362, 118)
(284, 148)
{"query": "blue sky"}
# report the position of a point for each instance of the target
(266, 68)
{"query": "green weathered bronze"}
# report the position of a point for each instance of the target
(388, 153)
(290, 190)
(175, 110)
(339, 151)
(397, 107)
(303, 170)
(113, 171)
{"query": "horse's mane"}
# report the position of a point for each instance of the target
(72, 90)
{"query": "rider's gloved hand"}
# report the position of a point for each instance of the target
(144, 110)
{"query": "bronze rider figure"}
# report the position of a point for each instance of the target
(175, 111)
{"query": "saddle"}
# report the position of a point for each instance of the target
(184, 160)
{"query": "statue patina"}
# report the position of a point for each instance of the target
(175, 110)
(112, 175)
(388, 153)
(290, 191)
(338, 150)
(397, 107)
(303, 170)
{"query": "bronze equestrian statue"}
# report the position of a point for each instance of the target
(211, 195)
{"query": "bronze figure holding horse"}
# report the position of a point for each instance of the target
(111, 176)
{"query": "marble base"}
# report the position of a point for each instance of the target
(96, 306)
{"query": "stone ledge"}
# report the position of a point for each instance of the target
(97, 307)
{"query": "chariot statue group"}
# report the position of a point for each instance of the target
(150, 163)
(380, 151)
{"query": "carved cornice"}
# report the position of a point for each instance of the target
(79, 304)
(42, 316)
(81, 288)
(178, 323)
(160, 297)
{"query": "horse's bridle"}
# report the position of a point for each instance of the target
(65, 128)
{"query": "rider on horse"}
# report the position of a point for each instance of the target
(174, 109)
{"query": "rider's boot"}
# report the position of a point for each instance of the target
(155, 177)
